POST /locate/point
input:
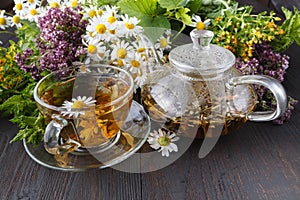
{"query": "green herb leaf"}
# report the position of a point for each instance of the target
(138, 8)
(172, 4)
(154, 27)
(194, 5)
(32, 128)
(19, 104)
(157, 21)
(291, 28)
(182, 15)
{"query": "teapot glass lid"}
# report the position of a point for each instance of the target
(201, 57)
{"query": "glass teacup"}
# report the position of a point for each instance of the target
(84, 106)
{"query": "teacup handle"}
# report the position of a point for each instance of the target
(53, 140)
(273, 85)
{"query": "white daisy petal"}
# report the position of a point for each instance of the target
(173, 147)
(155, 146)
(165, 152)
(174, 139)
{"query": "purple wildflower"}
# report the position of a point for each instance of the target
(266, 61)
(59, 40)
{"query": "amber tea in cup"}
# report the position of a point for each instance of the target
(86, 108)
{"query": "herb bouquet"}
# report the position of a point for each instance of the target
(54, 34)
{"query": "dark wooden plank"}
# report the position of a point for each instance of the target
(259, 161)
(22, 178)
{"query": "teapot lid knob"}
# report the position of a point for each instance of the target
(201, 57)
(201, 38)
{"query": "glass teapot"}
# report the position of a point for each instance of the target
(202, 89)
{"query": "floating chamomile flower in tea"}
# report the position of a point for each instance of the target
(76, 106)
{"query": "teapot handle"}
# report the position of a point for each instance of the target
(273, 85)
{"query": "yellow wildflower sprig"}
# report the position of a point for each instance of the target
(238, 31)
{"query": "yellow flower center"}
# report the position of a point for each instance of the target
(200, 26)
(54, 5)
(111, 19)
(33, 12)
(140, 50)
(129, 25)
(19, 6)
(83, 68)
(101, 54)
(164, 141)
(78, 104)
(31, 1)
(101, 28)
(92, 49)
(74, 4)
(121, 53)
(92, 13)
(163, 43)
(112, 32)
(16, 19)
(120, 63)
(2, 21)
(100, 12)
(135, 63)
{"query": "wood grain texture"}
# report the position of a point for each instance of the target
(258, 161)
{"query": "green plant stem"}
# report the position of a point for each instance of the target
(224, 3)
(7, 32)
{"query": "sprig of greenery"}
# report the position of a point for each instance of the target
(238, 30)
(32, 128)
(25, 114)
(16, 88)
(291, 28)
(161, 13)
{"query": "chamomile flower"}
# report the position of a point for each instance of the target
(163, 141)
(141, 46)
(34, 2)
(55, 3)
(110, 16)
(4, 20)
(130, 27)
(33, 14)
(73, 3)
(140, 78)
(135, 64)
(197, 22)
(163, 43)
(77, 106)
(121, 50)
(20, 8)
(15, 21)
(96, 51)
(91, 11)
(99, 28)
(111, 11)
(84, 69)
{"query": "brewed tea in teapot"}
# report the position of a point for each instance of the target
(200, 88)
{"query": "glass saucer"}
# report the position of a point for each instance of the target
(133, 135)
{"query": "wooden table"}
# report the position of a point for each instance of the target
(258, 161)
